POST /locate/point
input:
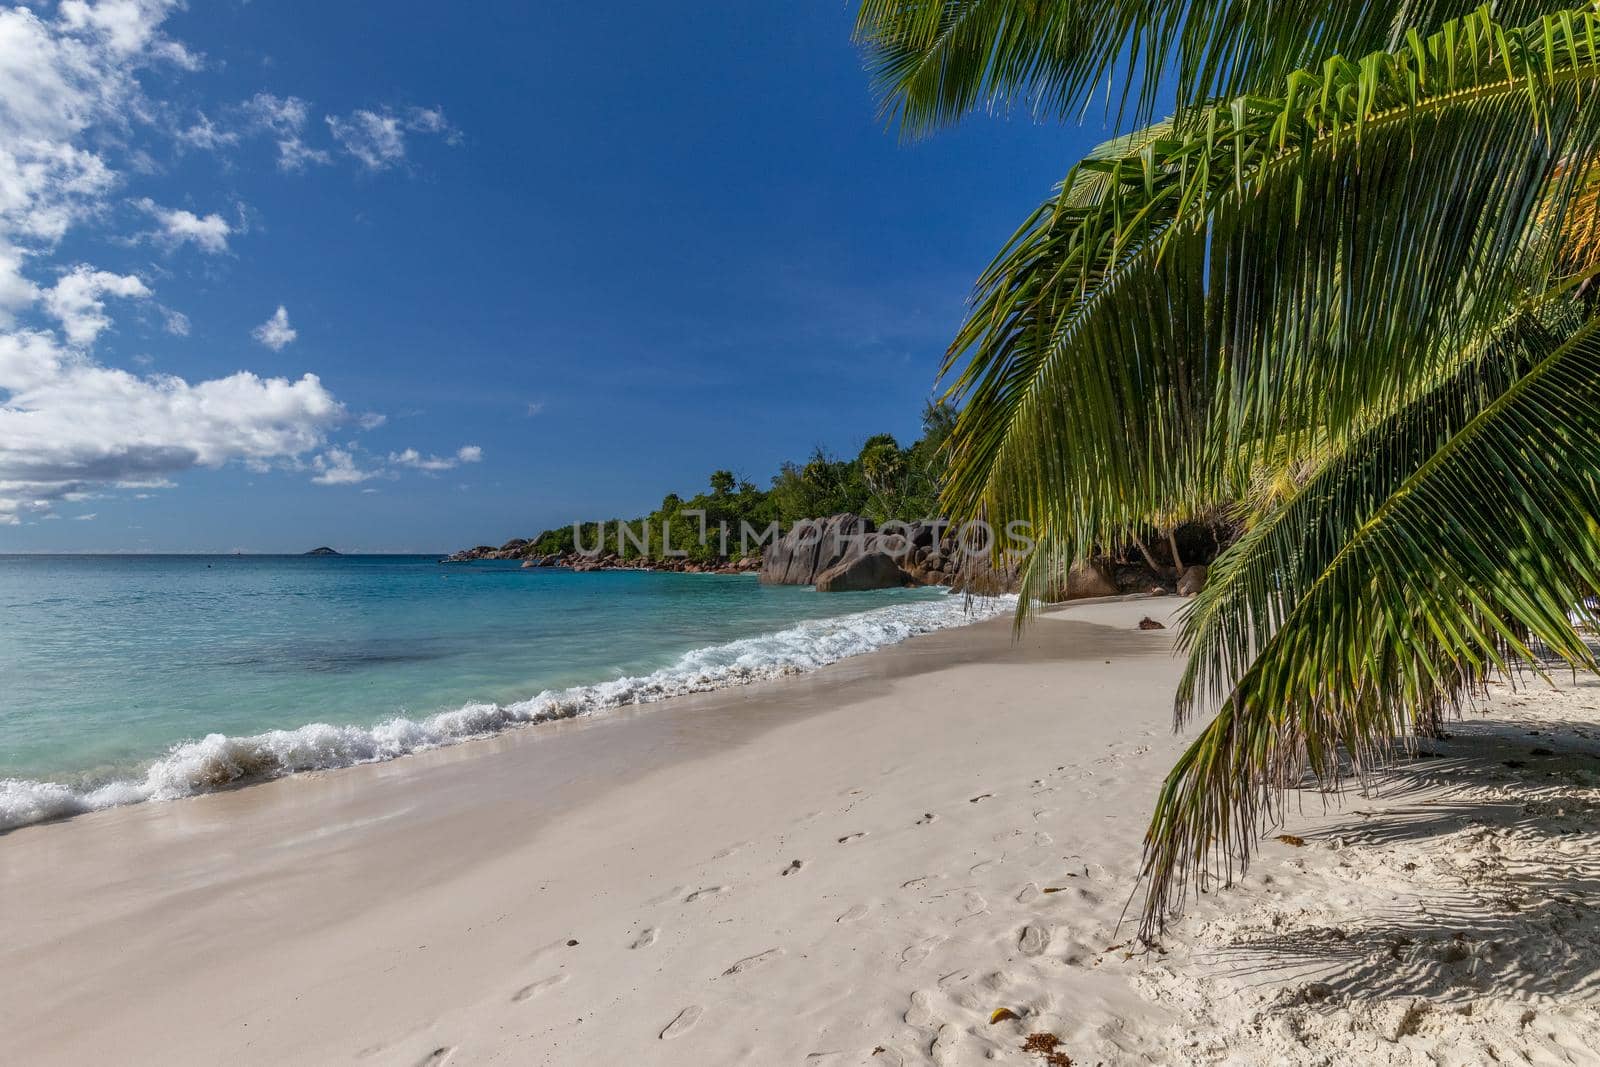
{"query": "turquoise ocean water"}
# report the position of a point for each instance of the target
(131, 678)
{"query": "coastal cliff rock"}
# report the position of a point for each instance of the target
(921, 553)
(928, 552)
(870, 570)
(800, 555)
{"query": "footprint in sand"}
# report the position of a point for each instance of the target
(701, 894)
(927, 817)
(1032, 941)
(437, 1058)
(920, 882)
(793, 868)
(948, 1045)
(857, 912)
(683, 1022)
(847, 838)
(856, 796)
(646, 938)
(921, 1011)
(974, 905)
(1028, 893)
(956, 977)
(980, 796)
(533, 989)
(560, 945)
(915, 954)
(751, 961)
(729, 851)
(675, 893)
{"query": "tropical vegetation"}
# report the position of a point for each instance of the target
(1337, 279)
(884, 482)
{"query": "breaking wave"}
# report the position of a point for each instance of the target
(218, 760)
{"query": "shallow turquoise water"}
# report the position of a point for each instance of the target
(107, 663)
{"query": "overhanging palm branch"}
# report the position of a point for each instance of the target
(1134, 350)
(1328, 267)
(1256, 584)
(933, 61)
(1462, 554)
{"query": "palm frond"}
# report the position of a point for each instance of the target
(1256, 583)
(1259, 277)
(934, 61)
(1486, 544)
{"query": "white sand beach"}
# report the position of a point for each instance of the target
(858, 866)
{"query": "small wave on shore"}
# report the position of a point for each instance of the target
(217, 760)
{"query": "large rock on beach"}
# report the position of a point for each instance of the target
(870, 570)
(1193, 579)
(812, 547)
(1085, 579)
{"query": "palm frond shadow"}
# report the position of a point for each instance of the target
(1496, 882)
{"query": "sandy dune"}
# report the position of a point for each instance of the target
(860, 866)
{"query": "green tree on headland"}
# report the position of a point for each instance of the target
(1349, 282)
(884, 482)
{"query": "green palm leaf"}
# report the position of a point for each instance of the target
(1132, 350)
(933, 61)
(1257, 582)
(1485, 543)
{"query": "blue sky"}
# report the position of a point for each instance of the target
(543, 262)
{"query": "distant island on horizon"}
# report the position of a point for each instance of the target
(323, 550)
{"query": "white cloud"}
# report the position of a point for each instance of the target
(55, 83)
(417, 461)
(209, 232)
(337, 466)
(90, 517)
(345, 465)
(374, 139)
(378, 138)
(72, 115)
(285, 119)
(176, 53)
(126, 27)
(535, 408)
(372, 420)
(16, 292)
(77, 300)
(59, 79)
(72, 425)
(207, 135)
(276, 332)
(430, 120)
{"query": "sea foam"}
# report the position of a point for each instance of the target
(218, 760)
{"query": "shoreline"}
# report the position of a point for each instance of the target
(219, 761)
(853, 866)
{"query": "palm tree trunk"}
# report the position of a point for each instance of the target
(1149, 560)
(1177, 560)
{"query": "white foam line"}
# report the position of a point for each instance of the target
(219, 760)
